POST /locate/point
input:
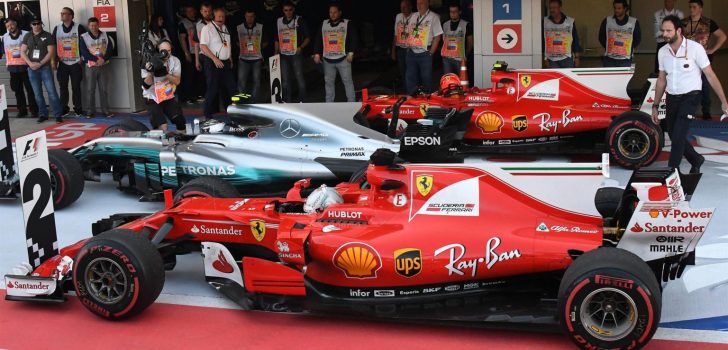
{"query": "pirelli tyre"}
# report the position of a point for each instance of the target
(207, 186)
(118, 274)
(609, 299)
(66, 175)
(634, 140)
(124, 126)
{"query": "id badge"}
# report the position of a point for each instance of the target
(36, 54)
(250, 45)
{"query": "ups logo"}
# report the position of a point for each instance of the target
(519, 122)
(408, 261)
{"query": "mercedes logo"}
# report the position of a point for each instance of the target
(290, 128)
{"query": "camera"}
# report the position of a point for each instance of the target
(151, 59)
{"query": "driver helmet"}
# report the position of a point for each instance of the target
(213, 126)
(321, 198)
(448, 81)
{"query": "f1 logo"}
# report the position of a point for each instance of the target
(28, 146)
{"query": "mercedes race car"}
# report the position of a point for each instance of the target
(493, 243)
(563, 111)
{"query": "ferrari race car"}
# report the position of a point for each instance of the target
(488, 243)
(563, 111)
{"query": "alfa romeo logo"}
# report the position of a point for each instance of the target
(290, 128)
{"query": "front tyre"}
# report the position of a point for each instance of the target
(67, 181)
(118, 274)
(634, 140)
(609, 298)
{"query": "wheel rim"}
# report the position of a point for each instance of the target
(633, 143)
(608, 314)
(106, 280)
(54, 185)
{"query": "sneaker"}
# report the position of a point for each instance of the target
(59, 120)
(42, 119)
(695, 169)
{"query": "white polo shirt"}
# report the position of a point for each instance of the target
(174, 67)
(217, 39)
(684, 67)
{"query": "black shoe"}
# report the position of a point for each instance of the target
(59, 120)
(707, 116)
(42, 119)
(22, 114)
(695, 169)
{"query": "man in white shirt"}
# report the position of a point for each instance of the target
(158, 87)
(681, 62)
(669, 9)
(217, 63)
(424, 40)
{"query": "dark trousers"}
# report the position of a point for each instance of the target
(292, 69)
(657, 65)
(611, 62)
(186, 91)
(565, 63)
(402, 65)
(678, 125)
(18, 81)
(214, 77)
(419, 71)
(705, 96)
(74, 73)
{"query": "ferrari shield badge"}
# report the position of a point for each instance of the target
(423, 108)
(525, 80)
(257, 228)
(424, 184)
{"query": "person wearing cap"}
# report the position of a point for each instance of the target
(336, 45)
(560, 38)
(699, 28)
(18, 69)
(659, 15)
(38, 51)
(457, 40)
(401, 37)
(681, 63)
(67, 36)
(619, 35)
(96, 51)
(424, 40)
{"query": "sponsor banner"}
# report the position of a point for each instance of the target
(70, 135)
(462, 198)
(659, 230)
(29, 286)
(276, 87)
(423, 290)
(459, 266)
(547, 90)
(37, 197)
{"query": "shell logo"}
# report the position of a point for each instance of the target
(358, 260)
(489, 122)
(654, 214)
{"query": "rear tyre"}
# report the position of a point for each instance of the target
(118, 274)
(124, 126)
(207, 186)
(634, 141)
(609, 298)
(67, 181)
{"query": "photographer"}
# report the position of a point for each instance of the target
(161, 76)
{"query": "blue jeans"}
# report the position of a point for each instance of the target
(419, 71)
(247, 69)
(344, 70)
(292, 70)
(611, 62)
(565, 63)
(44, 77)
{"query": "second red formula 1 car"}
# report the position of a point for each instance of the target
(564, 111)
(495, 243)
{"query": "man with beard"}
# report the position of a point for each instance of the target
(681, 63)
(217, 62)
(659, 15)
(189, 90)
(18, 69)
(619, 35)
(700, 28)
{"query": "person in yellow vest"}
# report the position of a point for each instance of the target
(18, 69)
(619, 35)
(336, 45)
(291, 38)
(252, 41)
(401, 37)
(424, 40)
(67, 36)
(96, 51)
(560, 38)
(457, 40)
(700, 29)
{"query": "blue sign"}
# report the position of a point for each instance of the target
(507, 10)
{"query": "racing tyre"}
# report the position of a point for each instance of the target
(118, 274)
(207, 186)
(67, 179)
(609, 299)
(633, 140)
(125, 125)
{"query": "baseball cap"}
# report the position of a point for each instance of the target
(36, 19)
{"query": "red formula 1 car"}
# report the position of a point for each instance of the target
(495, 243)
(566, 111)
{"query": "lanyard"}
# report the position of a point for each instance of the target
(220, 33)
(697, 25)
(420, 19)
(250, 31)
(403, 22)
(294, 20)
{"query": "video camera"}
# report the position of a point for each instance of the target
(149, 54)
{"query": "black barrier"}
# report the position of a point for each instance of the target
(7, 162)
